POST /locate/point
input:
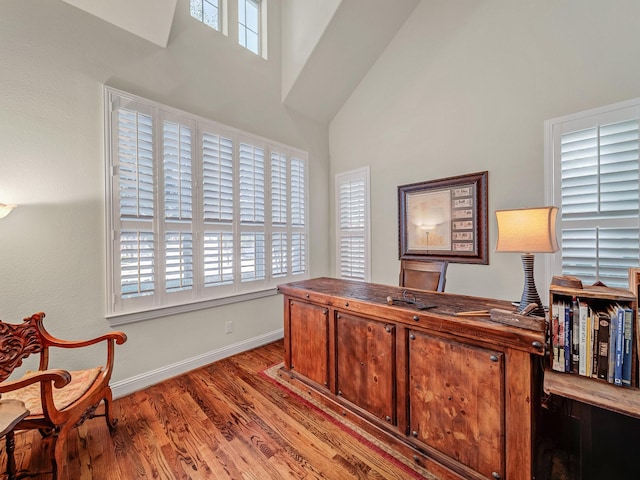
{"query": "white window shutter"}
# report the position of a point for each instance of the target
(251, 184)
(135, 164)
(352, 243)
(218, 258)
(252, 256)
(178, 178)
(137, 263)
(197, 212)
(595, 157)
(217, 161)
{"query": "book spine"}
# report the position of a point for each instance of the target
(594, 344)
(603, 345)
(555, 339)
(582, 340)
(589, 342)
(627, 360)
(561, 337)
(619, 351)
(575, 336)
(613, 324)
(568, 313)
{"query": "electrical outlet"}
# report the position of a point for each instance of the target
(228, 327)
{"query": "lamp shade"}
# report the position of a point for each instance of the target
(527, 230)
(5, 209)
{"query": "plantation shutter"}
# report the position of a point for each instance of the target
(298, 219)
(252, 206)
(217, 183)
(135, 179)
(600, 197)
(352, 198)
(279, 215)
(197, 212)
(178, 206)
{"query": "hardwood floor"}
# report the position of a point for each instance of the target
(222, 421)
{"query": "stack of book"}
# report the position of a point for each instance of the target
(592, 343)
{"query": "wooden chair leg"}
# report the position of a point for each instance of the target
(108, 413)
(58, 451)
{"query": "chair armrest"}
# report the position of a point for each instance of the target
(118, 337)
(59, 378)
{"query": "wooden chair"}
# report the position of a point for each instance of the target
(423, 275)
(58, 400)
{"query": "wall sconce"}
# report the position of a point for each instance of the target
(528, 231)
(5, 209)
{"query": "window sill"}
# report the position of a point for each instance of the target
(132, 317)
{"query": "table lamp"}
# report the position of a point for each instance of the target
(528, 231)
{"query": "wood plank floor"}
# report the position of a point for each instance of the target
(222, 421)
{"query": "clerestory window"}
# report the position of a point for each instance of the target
(207, 11)
(249, 25)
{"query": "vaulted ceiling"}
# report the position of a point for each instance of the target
(352, 40)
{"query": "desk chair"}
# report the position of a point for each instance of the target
(426, 275)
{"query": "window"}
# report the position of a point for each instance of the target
(207, 11)
(249, 25)
(592, 174)
(196, 211)
(353, 238)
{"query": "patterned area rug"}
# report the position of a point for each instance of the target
(368, 440)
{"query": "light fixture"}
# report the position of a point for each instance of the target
(5, 209)
(528, 231)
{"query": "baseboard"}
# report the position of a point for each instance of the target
(138, 382)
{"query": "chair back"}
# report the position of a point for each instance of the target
(426, 275)
(17, 342)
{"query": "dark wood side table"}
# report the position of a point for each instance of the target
(11, 412)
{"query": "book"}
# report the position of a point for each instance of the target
(589, 342)
(556, 339)
(603, 345)
(583, 311)
(575, 336)
(619, 346)
(561, 337)
(613, 326)
(627, 361)
(595, 329)
(568, 344)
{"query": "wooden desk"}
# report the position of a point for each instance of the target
(459, 394)
(11, 413)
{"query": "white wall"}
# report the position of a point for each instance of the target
(464, 87)
(303, 23)
(54, 61)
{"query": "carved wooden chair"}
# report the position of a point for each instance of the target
(426, 275)
(58, 400)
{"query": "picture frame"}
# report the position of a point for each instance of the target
(444, 219)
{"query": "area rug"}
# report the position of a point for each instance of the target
(365, 438)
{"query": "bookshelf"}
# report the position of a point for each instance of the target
(586, 389)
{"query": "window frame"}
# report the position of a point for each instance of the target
(163, 302)
(552, 171)
(222, 16)
(364, 175)
(261, 32)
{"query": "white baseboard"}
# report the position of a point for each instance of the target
(133, 384)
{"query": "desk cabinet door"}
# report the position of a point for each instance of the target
(456, 401)
(310, 341)
(365, 352)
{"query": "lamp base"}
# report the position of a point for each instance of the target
(529, 291)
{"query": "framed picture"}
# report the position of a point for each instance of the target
(444, 219)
